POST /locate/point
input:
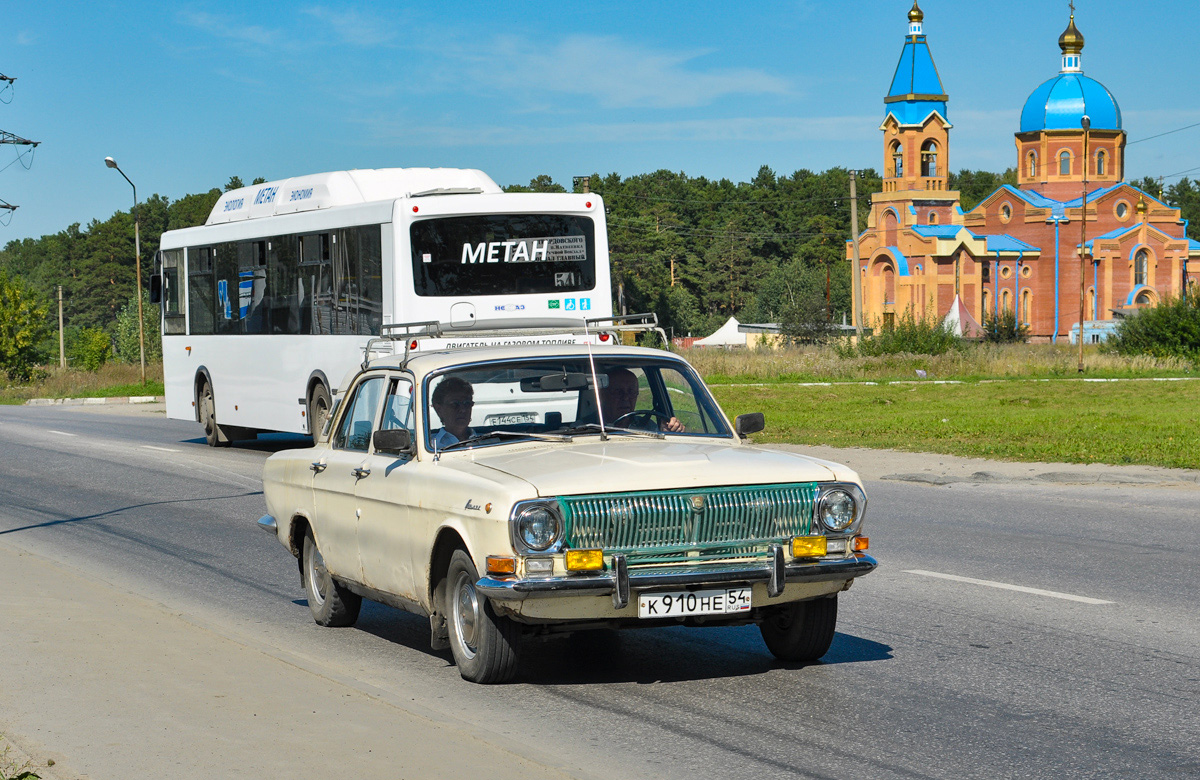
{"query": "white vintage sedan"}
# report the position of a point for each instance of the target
(506, 491)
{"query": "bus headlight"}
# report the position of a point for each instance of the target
(537, 526)
(840, 507)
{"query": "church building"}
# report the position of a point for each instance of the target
(1018, 250)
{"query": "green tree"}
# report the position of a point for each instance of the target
(126, 347)
(1004, 328)
(234, 183)
(1171, 329)
(89, 348)
(22, 329)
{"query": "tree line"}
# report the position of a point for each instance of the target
(694, 250)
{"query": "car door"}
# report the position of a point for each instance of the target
(337, 472)
(386, 536)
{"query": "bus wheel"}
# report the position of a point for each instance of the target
(318, 410)
(208, 418)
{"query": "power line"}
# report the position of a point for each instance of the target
(1160, 135)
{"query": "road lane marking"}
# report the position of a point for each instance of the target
(1005, 586)
(160, 449)
(61, 433)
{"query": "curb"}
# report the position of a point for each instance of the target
(133, 399)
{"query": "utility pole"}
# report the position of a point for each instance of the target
(8, 138)
(62, 353)
(1087, 125)
(855, 274)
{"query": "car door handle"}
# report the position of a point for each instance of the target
(360, 472)
(317, 466)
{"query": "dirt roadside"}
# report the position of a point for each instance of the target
(112, 685)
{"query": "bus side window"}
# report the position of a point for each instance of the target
(172, 304)
(200, 290)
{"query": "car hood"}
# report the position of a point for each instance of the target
(624, 464)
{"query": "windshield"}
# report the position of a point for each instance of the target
(553, 398)
(493, 254)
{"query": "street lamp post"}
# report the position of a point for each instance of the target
(1086, 122)
(137, 251)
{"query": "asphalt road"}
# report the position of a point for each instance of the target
(1067, 645)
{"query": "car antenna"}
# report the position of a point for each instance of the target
(587, 338)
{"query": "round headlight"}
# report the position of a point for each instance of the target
(537, 527)
(838, 510)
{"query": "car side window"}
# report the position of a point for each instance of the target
(398, 406)
(354, 430)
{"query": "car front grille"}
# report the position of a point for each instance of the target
(690, 526)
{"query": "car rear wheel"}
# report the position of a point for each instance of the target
(330, 603)
(484, 645)
(800, 631)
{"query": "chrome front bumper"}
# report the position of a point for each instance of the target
(618, 582)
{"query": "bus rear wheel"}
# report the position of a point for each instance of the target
(318, 410)
(208, 418)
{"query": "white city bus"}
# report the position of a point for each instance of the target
(269, 303)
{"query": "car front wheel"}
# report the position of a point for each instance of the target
(330, 603)
(800, 631)
(484, 645)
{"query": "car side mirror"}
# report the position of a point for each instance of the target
(749, 423)
(156, 288)
(396, 441)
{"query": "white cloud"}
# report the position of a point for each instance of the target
(252, 34)
(25, 38)
(614, 73)
(354, 28)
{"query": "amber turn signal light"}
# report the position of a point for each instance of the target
(497, 564)
(809, 547)
(585, 560)
(861, 543)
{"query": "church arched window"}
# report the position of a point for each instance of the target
(929, 161)
(1033, 165)
(1005, 300)
(1101, 160)
(1140, 261)
(1026, 303)
(933, 217)
(897, 160)
(1064, 163)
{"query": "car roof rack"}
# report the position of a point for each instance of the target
(413, 332)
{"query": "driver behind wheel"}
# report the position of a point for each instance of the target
(619, 399)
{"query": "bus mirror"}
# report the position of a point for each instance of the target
(746, 424)
(156, 288)
(396, 441)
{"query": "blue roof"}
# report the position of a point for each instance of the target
(1060, 103)
(937, 231)
(915, 76)
(901, 261)
(1005, 243)
(1193, 245)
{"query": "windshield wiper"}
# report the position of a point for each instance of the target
(595, 428)
(509, 435)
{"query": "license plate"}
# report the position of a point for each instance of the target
(694, 602)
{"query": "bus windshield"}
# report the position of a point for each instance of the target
(490, 254)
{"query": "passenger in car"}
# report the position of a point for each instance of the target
(620, 397)
(453, 400)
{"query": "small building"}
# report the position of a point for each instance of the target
(1019, 249)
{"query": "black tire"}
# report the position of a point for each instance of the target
(319, 404)
(208, 418)
(485, 645)
(330, 603)
(800, 631)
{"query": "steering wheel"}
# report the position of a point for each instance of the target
(642, 417)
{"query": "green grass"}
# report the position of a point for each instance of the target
(1144, 422)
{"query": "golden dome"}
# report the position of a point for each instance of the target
(1141, 205)
(1071, 41)
(916, 15)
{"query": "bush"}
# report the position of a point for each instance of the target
(1171, 329)
(908, 335)
(125, 343)
(22, 329)
(90, 349)
(1005, 328)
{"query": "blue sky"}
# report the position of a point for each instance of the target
(186, 94)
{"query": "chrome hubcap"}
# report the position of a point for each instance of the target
(318, 576)
(466, 606)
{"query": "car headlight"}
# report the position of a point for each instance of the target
(537, 526)
(840, 507)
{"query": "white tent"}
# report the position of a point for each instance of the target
(961, 322)
(726, 336)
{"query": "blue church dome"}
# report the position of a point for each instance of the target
(1061, 102)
